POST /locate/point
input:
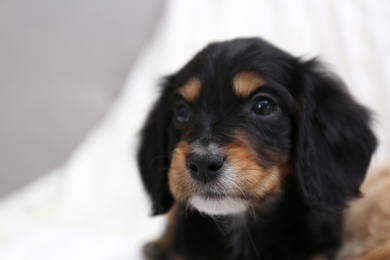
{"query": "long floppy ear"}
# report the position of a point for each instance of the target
(153, 158)
(334, 142)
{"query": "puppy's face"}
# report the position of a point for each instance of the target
(230, 134)
(242, 119)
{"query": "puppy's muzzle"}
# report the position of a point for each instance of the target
(205, 167)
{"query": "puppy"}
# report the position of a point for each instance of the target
(256, 152)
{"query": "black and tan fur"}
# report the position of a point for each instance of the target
(283, 140)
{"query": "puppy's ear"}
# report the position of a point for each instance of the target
(334, 142)
(153, 157)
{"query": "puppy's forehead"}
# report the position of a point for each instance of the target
(243, 85)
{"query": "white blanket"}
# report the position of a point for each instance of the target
(94, 206)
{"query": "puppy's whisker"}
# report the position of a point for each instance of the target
(253, 211)
(163, 192)
(163, 169)
(187, 208)
(239, 188)
(157, 157)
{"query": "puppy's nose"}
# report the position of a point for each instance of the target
(205, 167)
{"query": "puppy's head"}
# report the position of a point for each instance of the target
(240, 120)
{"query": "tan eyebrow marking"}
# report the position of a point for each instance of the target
(245, 83)
(191, 89)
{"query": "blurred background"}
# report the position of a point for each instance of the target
(62, 63)
(77, 79)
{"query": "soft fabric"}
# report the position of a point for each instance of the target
(94, 206)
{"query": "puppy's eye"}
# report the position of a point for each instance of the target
(263, 107)
(182, 113)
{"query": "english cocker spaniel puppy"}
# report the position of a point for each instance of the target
(255, 153)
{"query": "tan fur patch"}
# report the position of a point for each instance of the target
(380, 253)
(245, 83)
(178, 176)
(253, 180)
(190, 91)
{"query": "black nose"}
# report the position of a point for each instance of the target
(205, 167)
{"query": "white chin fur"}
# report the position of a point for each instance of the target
(226, 206)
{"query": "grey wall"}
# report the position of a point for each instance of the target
(61, 65)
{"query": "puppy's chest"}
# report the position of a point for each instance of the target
(200, 237)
